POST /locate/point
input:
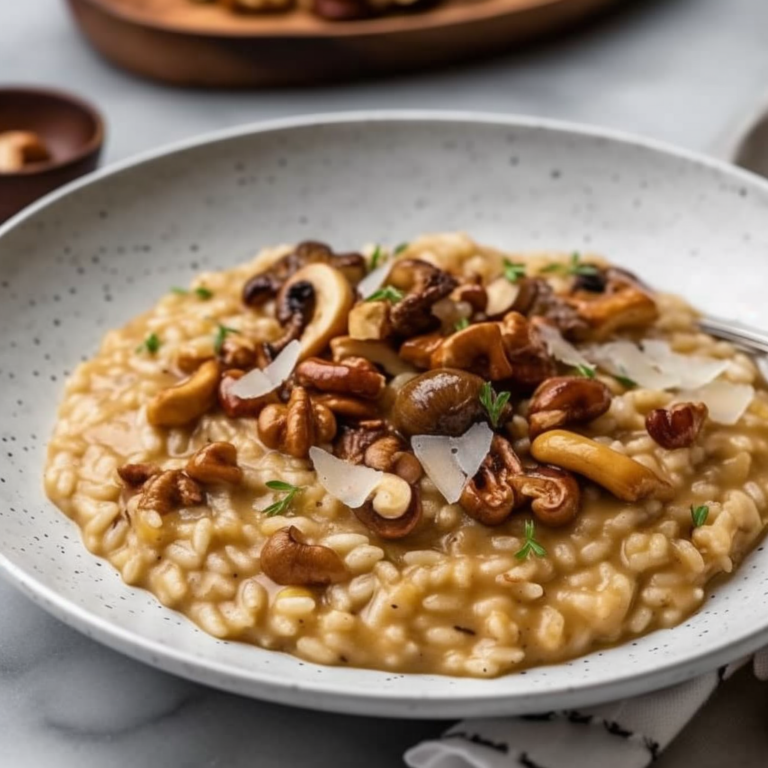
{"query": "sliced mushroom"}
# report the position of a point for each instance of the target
(444, 401)
(424, 285)
(624, 477)
(501, 295)
(565, 400)
(489, 496)
(272, 271)
(295, 308)
(388, 527)
(187, 401)
(555, 494)
(332, 301)
(377, 352)
(677, 426)
(289, 561)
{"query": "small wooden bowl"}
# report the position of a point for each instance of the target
(72, 131)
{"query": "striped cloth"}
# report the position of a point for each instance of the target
(627, 734)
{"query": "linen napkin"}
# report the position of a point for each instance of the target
(625, 734)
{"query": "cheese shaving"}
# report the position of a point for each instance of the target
(260, 382)
(726, 402)
(373, 280)
(560, 349)
(451, 461)
(351, 484)
(692, 371)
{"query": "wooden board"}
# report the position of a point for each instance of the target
(180, 42)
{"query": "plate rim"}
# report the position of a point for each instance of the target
(360, 699)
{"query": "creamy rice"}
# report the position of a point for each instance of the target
(452, 598)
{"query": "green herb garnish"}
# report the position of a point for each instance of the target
(202, 292)
(460, 325)
(493, 403)
(587, 371)
(573, 267)
(222, 331)
(399, 248)
(699, 515)
(151, 344)
(530, 545)
(376, 257)
(280, 506)
(387, 293)
(624, 380)
(513, 272)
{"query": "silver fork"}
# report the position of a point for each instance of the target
(743, 336)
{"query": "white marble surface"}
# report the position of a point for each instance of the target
(680, 70)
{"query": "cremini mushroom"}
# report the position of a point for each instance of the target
(677, 426)
(294, 308)
(424, 285)
(478, 348)
(377, 352)
(237, 407)
(188, 400)
(624, 477)
(289, 561)
(215, 463)
(501, 295)
(169, 491)
(272, 271)
(565, 400)
(295, 427)
(352, 376)
(443, 401)
(331, 301)
(388, 527)
(537, 298)
(554, 493)
(489, 496)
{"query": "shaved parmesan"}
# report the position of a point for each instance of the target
(726, 402)
(623, 358)
(451, 461)
(692, 371)
(258, 382)
(560, 349)
(373, 280)
(351, 484)
(472, 447)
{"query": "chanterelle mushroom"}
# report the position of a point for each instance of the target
(289, 561)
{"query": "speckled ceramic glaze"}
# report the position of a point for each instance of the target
(89, 258)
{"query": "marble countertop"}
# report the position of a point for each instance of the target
(678, 70)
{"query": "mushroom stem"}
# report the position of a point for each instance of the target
(625, 478)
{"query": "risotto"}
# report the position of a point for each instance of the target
(435, 458)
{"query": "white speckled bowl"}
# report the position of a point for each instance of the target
(89, 257)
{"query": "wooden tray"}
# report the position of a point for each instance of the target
(180, 42)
